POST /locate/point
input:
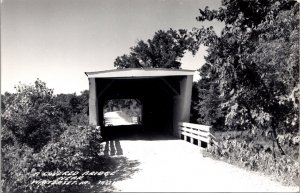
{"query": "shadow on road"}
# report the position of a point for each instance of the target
(122, 169)
(112, 148)
(110, 160)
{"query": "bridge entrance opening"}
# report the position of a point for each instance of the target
(164, 96)
(122, 118)
(122, 112)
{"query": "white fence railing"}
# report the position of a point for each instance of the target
(196, 134)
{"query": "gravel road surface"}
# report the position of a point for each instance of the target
(177, 166)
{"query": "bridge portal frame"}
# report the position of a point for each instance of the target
(175, 82)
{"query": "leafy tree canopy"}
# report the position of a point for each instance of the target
(164, 50)
(73, 108)
(254, 63)
(31, 115)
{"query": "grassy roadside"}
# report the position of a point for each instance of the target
(256, 153)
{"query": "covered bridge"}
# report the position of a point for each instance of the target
(165, 95)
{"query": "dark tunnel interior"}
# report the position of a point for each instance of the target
(156, 96)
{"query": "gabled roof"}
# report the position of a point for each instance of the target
(139, 72)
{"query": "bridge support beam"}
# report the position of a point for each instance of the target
(182, 104)
(93, 103)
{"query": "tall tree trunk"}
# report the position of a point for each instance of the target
(275, 137)
(277, 141)
(274, 155)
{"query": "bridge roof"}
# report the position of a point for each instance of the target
(139, 73)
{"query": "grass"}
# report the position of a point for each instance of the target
(255, 152)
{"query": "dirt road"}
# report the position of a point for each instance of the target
(175, 165)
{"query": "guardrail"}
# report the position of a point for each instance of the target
(197, 134)
(135, 120)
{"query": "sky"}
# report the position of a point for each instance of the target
(58, 40)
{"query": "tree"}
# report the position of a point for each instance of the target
(6, 100)
(257, 61)
(32, 116)
(194, 116)
(208, 100)
(62, 102)
(164, 50)
(73, 108)
(83, 99)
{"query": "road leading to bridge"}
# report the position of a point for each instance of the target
(174, 165)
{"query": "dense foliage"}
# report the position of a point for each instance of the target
(257, 155)
(31, 115)
(249, 83)
(42, 132)
(250, 78)
(164, 50)
(20, 163)
(73, 108)
(34, 114)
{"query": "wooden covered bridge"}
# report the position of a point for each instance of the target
(165, 95)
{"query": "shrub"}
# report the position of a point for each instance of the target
(80, 119)
(18, 163)
(76, 147)
(32, 116)
(73, 108)
(258, 157)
